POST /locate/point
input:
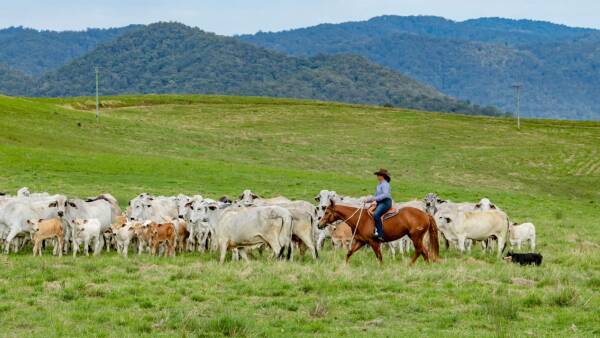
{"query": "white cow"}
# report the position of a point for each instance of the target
(102, 208)
(248, 198)
(519, 233)
(198, 222)
(15, 213)
(303, 223)
(474, 225)
(249, 227)
(485, 205)
(87, 231)
(155, 209)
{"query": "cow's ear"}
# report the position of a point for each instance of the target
(129, 203)
(254, 196)
(478, 205)
(189, 204)
(439, 200)
(493, 206)
(318, 198)
(212, 207)
(332, 202)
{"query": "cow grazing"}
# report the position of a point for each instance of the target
(87, 231)
(162, 233)
(47, 229)
(524, 258)
(520, 233)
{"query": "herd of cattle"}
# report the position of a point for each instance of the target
(163, 225)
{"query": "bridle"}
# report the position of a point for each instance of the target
(361, 209)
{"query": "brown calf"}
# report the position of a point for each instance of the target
(46, 229)
(182, 236)
(162, 233)
(341, 235)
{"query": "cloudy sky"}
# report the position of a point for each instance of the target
(248, 16)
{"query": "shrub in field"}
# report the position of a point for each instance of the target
(564, 297)
(229, 326)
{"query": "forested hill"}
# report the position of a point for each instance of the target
(34, 52)
(174, 58)
(477, 60)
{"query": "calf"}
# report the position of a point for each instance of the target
(517, 234)
(524, 258)
(143, 234)
(88, 231)
(160, 233)
(123, 236)
(45, 229)
(341, 235)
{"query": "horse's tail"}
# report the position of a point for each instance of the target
(434, 244)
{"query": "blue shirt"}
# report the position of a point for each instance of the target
(383, 191)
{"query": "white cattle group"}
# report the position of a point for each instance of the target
(169, 224)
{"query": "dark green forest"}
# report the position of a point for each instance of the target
(174, 58)
(477, 60)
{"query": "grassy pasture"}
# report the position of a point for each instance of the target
(547, 173)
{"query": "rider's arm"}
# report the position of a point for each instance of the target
(383, 193)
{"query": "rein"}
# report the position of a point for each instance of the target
(357, 223)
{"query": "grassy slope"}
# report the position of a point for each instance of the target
(547, 173)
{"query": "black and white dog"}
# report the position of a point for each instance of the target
(524, 258)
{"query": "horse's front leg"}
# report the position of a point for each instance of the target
(377, 249)
(356, 245)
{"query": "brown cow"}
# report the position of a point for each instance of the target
(46, 229)
(341, 235)
(160, 233)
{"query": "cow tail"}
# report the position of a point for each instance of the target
(290, 243)
(434, 244)
(312, 221)
(282, 247)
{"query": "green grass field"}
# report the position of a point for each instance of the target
(547, 173)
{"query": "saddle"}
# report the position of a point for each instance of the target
(388, 214)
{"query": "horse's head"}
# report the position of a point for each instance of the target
(329, 216)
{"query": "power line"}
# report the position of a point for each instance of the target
(97, 99)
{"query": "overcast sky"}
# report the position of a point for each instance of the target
(238, 16)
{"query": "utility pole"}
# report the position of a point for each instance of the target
(517, 87)
(97, 99)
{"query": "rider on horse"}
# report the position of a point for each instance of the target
(383, 199)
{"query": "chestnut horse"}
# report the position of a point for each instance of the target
(409, 221)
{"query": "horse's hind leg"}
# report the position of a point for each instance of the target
(420, 249)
